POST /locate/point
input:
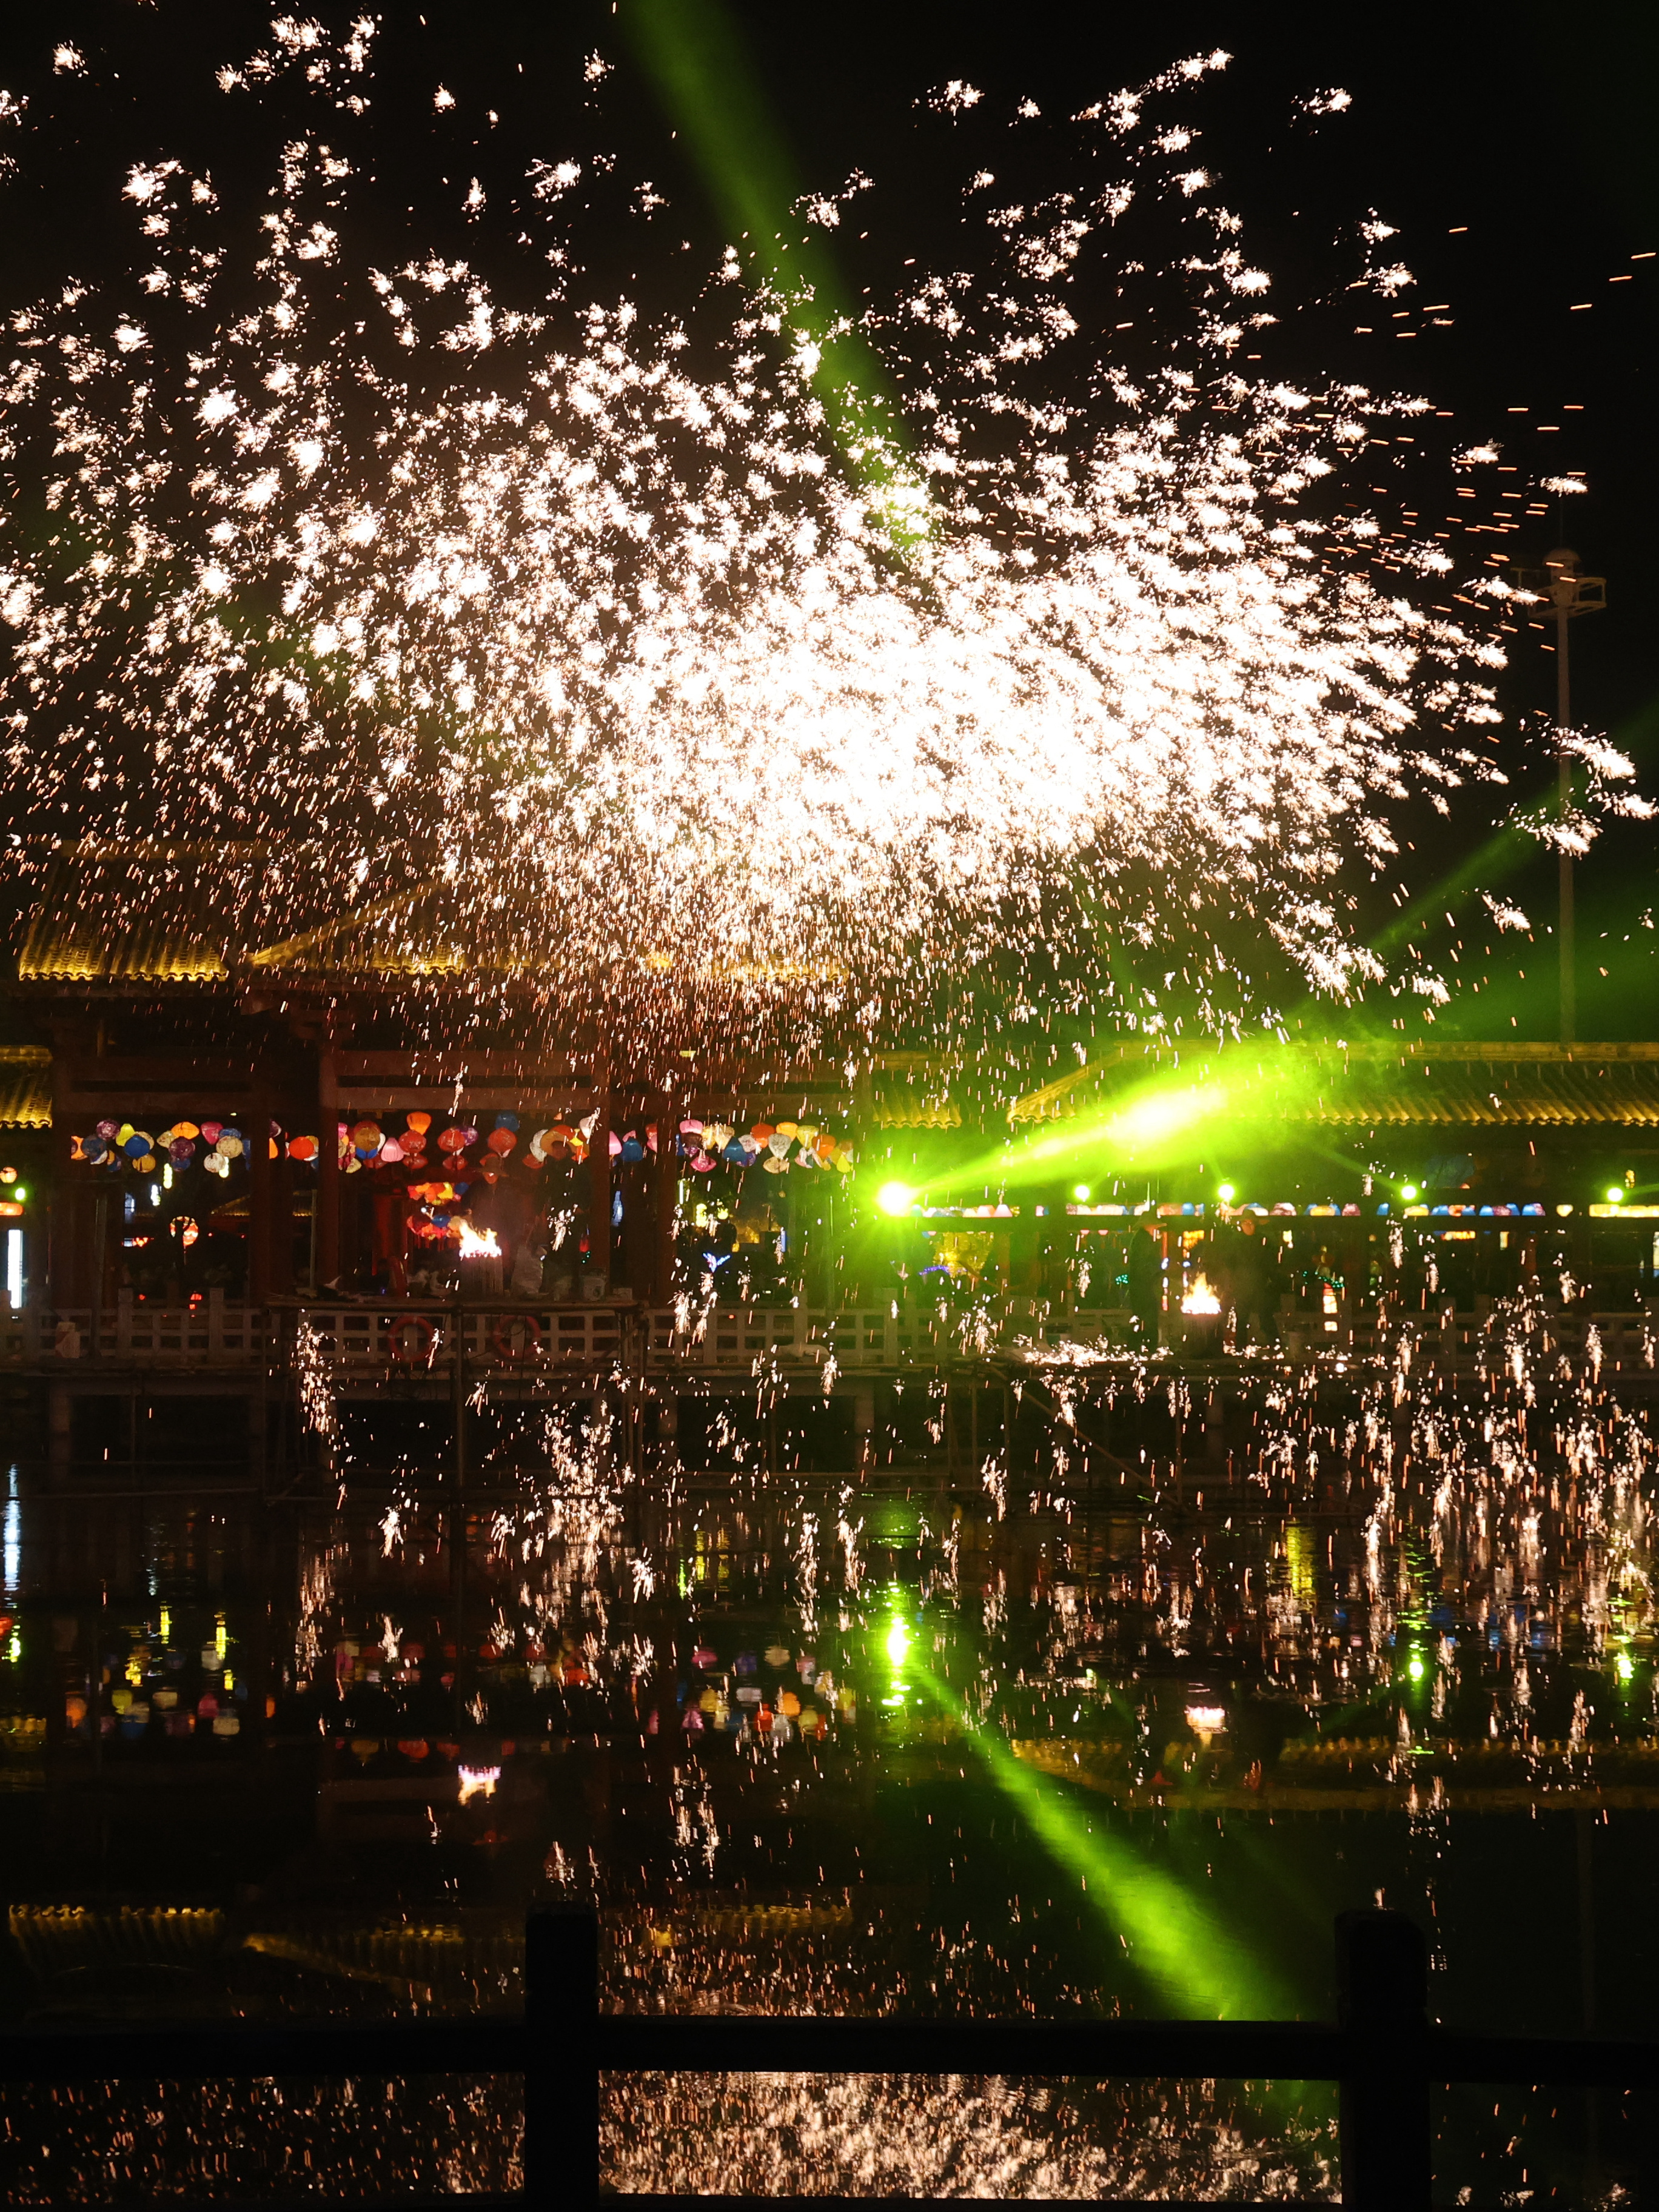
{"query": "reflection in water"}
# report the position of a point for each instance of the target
(1117, 1726)
(12, 1546)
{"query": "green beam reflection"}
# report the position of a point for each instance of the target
(1198, 1968)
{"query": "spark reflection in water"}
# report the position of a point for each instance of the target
(1127, 1747)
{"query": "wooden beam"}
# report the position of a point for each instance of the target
(359, 1097)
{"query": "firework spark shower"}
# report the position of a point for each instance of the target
(763, 640)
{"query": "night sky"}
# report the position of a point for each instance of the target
(1512, 149)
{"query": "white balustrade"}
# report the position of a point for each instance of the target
(416, 1337)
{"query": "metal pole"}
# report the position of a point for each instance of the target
(1563, 784)
(1383, 1989)
(561, 2080)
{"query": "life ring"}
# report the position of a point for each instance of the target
(516, 1336)
(416, 1353)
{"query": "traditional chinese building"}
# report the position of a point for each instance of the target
(224, 1116)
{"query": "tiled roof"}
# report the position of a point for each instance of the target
(1376, 1086)
(1532, 1094)
(25, 1087)
(139, 913)
(158, 913)
(909, 1090)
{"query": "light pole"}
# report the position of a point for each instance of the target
(1569, 594)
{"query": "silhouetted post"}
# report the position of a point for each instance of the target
(1382, 1995)
(457, 1517)
(561, 2080)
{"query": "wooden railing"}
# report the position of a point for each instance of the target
(1381, 2052)
(362, 1338)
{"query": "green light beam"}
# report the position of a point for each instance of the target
(693, 52)
(1197, 1967)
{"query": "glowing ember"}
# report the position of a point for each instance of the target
(1200, 1299)
(477, 1782)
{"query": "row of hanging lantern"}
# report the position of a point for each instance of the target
(214, 1145)
(425, 1148)
(775, 1147)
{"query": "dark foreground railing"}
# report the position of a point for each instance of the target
(1382, 2052)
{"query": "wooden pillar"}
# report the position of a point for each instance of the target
(260, 1191)
(328, 1169)
(69, 1279)
(665, 1180)
(598, 1161)
(281, 1279)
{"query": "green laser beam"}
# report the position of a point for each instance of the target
(695, 55)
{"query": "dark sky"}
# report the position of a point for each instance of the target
(1512, 147)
